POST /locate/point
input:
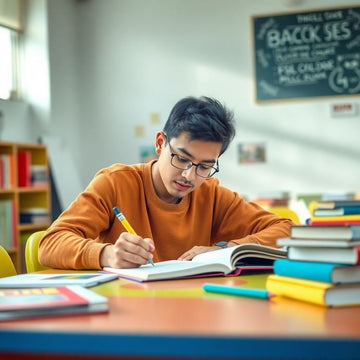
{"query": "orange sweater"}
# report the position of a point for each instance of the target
(209, 214)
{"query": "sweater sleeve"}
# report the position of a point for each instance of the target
(245, 222)
(76, 239)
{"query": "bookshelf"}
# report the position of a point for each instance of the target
(25, 198)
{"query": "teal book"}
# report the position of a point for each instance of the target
(346, 210)
(318, 271)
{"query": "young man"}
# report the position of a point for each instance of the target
(173, 203)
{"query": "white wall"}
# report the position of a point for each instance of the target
(113, 63)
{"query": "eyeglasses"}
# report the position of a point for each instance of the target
(202, 170)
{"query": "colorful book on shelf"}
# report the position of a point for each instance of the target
(50, 301)
(332, 204)
(230, 261)
(335, 220)
(34, 216)
(316, 292)
(39, 175)
(29, 280)
(350, 255)
(7, 165)
(318, 271)
(23, 170)
(338, 232)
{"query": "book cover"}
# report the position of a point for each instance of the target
(346, 256)
(50, 301)
(86, 279)
(317, 271)
(316, 292)
(222, 262)
(338, 232)
(23, 170)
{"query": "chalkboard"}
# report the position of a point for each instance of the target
(307, 54)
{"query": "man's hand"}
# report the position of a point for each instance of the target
(196, 250)
(129, 251)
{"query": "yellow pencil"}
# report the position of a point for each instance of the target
(127, 226)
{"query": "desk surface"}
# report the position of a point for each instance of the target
(177, 319)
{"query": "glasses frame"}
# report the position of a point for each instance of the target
(213, 169)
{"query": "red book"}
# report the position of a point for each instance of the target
(24, 168)
(334, 222)
(64, 300)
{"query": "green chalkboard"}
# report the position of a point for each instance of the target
(307, 54)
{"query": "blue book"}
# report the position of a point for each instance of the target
(317, 271)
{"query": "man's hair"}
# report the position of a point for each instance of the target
(202, 118)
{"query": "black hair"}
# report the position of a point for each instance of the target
(202, 118)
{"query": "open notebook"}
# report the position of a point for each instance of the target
(230, 261)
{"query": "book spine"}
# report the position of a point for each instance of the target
(347, 210)
(295, 290)
(337, 204)
(24, 164)
(317, 221)
(304, 270)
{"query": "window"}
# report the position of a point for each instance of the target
(10, 28)
(8, 63)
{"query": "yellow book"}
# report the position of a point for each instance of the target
(339, 217)
(335, 220)
(316, 292)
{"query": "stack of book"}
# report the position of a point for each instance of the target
(336, 212)
(34, 216)
(323, 265)
(37, 295)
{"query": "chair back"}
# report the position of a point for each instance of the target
(7, 267)
(285, 212)
(31, 252)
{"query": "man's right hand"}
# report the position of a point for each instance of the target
(129, 251)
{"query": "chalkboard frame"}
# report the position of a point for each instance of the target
(286, 78)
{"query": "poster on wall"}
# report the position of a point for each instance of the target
(307, 54)
(251, 152)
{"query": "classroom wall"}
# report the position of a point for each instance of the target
(110, 65)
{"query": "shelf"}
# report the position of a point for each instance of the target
(25, 163)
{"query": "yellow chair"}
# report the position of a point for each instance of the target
(7, 267)
(31, 252)
(285, 212)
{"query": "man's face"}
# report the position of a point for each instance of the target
(171, 183)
